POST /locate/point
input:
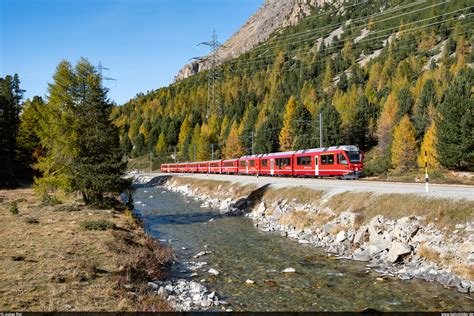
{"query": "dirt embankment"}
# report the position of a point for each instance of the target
(404, 235)
(69, 257)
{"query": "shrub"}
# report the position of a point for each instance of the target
(31, 220)
(97, 225)
(142, 262)
(376, 166)
(14, 208)
(68, 208)
(47, 200)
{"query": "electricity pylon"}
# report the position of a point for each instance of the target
(101, 68)
(212, 62)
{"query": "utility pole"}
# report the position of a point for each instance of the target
(194, 152)
(151, 161)
(212, 151)
(253, 132)
(427, 179)
(321, 130)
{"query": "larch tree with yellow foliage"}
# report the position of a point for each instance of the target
(161, 147)
(429, 145)
(287, 134)
(233, 147)
(386, 122)
(184, 137)
(404, 147)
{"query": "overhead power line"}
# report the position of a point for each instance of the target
(353, 37)
(331, 27)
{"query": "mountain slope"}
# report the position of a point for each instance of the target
(363, 66)
(272, 16)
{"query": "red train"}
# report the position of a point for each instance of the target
(338, 161)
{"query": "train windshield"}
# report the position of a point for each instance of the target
(354, 156)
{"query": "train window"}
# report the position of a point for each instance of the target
(252, 163)
(304, 160)
(282, 162)
(342, 160)
(327, 159)
(264, 162)
(354, 156)
(242, 163)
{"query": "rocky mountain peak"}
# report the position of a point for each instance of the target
(272, 16)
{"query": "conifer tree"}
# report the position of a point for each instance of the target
(153, 138)
(266, 139)
(427, 98)
(428, 145)
(287, 133)
(97, 167)
(184, 137)
(332, 127)
(82, 151)
(57, 134)
(192, 150)
(385, 124)
(161, 147)
(233, 147)
(139, 146)
(404, 147)
(28, 135)
(455, 124)
(302, 126)
(405, 102)
(10, 97)
(358, 133)
(204, 144)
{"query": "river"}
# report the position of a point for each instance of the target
(241, 252)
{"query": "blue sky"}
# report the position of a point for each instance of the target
(143, 42)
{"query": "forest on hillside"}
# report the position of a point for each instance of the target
(396, 82)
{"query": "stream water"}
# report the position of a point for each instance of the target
(239, 251)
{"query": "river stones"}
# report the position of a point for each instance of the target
(270, 283)
(202, 253)
(289, 270)
(213, 271)
(249, 282)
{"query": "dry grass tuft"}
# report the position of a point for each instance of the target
(297, 194)
(216, 188)
(464, 270)
(304, 219)
(428, 253)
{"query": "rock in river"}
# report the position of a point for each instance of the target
(289, 270)
(213, 271)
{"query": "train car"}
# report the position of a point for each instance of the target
(230, 166)
(337, 161)
(215, 166)
(193, 167)
(164, 168)
(182, 167)
(203, 167)
(277, 164)
(172, 168)
(249, 164)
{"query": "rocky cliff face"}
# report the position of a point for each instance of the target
(272, 16)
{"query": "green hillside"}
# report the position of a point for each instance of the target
(393, 77)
